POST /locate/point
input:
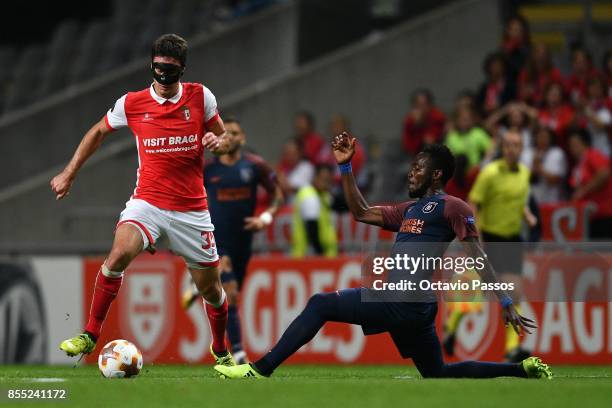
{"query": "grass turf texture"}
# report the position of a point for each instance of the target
(308, 386)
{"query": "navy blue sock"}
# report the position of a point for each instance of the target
(430, 364)
(233, 328)
(482, 369)
(320, 308)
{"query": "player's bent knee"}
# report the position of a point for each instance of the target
(118, 260)
(318, 302)
(211, 291)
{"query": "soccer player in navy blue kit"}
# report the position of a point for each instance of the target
(231, 182)
(431, 217)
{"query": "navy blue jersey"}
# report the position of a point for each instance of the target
(232, 196)
(425, 228)
(437, 218)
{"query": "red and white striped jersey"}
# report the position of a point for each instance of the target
(168, 135)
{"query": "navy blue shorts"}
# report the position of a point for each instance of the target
(411, 325)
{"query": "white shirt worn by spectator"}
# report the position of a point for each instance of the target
(554, 163)
(600, 135)
(310, 208)
(301, 175)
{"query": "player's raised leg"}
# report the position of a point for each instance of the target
(127, 245)
(208, 282)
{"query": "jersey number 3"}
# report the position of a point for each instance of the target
(209, 240)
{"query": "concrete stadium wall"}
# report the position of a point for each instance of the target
(47, 133)
(370, 82)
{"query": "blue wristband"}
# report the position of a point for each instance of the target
(345, 168)
(505, 302)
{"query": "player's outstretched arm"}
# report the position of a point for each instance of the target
(343, 147)
(60, 184)
(472, 247)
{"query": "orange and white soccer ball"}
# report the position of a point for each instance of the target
(120, 359)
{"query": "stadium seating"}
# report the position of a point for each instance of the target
(103, 45)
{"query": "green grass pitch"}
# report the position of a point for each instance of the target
(307, 386)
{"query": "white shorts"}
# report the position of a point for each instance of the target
(190, 233)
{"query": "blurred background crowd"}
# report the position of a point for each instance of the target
(398, 75)
(562, 111)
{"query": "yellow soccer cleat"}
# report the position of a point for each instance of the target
(238, 372)
(535, 368)
(224, 361)
(189, 297)
(81, 344)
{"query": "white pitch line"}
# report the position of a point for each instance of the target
(45, 380)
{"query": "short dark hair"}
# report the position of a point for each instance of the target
(322, 167)
(308, 116)
(580, 49)
(523, 22)
(582, 134)
(426, 92)
(491, 58)
(231, 119)
(441, 159)
(170, 45)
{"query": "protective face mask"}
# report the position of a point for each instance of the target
(170, 73)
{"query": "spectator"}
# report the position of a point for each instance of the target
(467, 138)
(607, 71)
(516, 45)
(536, 76)
(548, 167)
(312, 225)
(424, 124)
(293, 171)
(557, 115)
(516, 116)
(590, 180)
(463, 179)
(311, 141)
(466, 99)
(498, 89)
(597, 115)
(582, 71)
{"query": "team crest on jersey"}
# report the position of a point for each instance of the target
(186, 112)
(429, 207)
(246, 174)
(147, 117)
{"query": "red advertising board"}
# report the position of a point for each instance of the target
(148, 312)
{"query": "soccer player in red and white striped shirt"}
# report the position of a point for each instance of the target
(173, 123)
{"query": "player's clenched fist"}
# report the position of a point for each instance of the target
(343, 146)
(211, 141)
(61, 184)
